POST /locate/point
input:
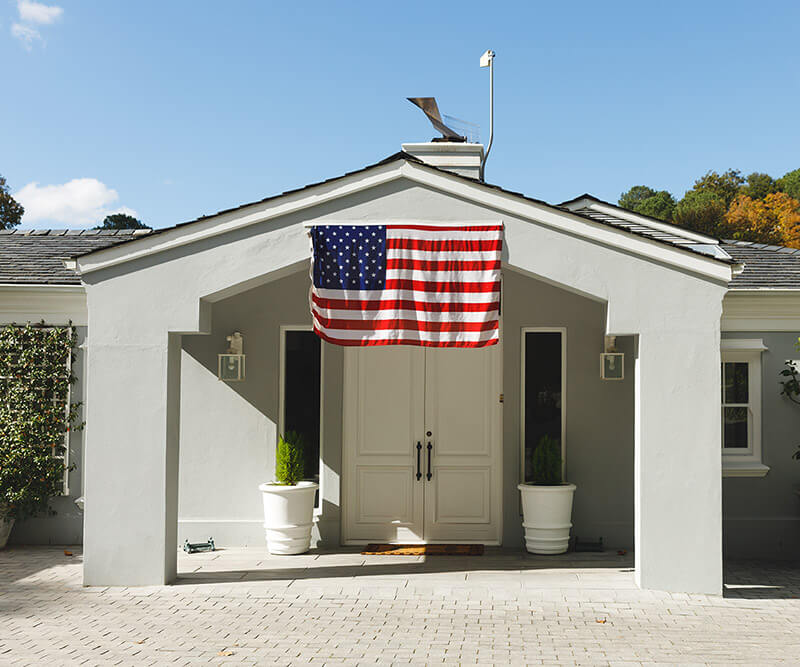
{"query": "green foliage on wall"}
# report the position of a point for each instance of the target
(290, 458)
(547, 461)
(35, 375)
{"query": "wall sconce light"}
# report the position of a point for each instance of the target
(231, 364)
(612, 363)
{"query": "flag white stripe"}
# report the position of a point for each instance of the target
(422, 235)
(444, 256)
(411, 295)
(398, 314)
(489, 276)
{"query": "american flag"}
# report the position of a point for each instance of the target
(407, 284)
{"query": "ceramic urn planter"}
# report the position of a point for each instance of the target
(547, 517)
(288, 516)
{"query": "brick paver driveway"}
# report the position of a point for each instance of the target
(241, 605)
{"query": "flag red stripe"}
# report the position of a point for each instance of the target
(405, 304)
(450, 245)
(433, 286)
(441, 265)
(407, 325)
(437, 228)
(400, 341)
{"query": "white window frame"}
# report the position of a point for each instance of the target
(739, 462)
(563, 332)
(282, 398)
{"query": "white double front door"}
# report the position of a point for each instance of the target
(421, 445)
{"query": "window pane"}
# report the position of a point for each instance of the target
(542, 391)
(301, 395)
(736, 382)
(735, 428)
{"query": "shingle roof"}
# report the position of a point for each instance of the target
(765, 266)
(34, 257)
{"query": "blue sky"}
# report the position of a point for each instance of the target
(177, 109)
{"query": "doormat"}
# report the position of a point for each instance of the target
(423, 550)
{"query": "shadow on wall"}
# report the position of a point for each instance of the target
(229, 429)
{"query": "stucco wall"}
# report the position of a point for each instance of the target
(599, 435)
(66, 525)
(761, 516)
(228, 429)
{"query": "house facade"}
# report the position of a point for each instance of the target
(662, 465)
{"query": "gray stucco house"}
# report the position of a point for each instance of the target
(662, 465)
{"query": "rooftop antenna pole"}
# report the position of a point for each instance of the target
(487, 60)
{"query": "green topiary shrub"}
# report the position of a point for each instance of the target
(547, 461)
(290, 459)
(35, 416)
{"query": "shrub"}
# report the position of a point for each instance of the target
(547, 461)
(35, 374)
(290, 463)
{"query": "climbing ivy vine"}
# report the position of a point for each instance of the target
(35, 415)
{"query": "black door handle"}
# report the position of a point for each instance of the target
(419, 468)
(430, 474)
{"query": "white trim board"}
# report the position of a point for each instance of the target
(53, 304)
(761, 310)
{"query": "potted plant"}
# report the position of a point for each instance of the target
(289, 501)
(547, 501)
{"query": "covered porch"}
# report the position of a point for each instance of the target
(644, 451)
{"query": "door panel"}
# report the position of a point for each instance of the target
(462, 412)
(394, 397)
(383, 420)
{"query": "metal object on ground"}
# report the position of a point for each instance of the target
(193, 548)
(579, 545)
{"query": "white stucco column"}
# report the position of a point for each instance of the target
(678, 485)
(131, 459)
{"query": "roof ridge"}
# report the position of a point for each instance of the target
(65, 231)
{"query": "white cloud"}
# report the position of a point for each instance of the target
(26, 35)
(81, 202)
(36, 12)
(30, 14)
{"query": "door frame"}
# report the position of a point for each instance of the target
(523, 332)
(349, 386)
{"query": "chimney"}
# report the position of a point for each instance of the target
(461, 158)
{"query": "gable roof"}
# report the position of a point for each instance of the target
(35, 257)
(154, 245)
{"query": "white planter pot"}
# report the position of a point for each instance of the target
(288, 516)
(5, 530)
(547, 517)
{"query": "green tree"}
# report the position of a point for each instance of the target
(759, 186)
(655, 203)
(122, 221)
(10, 209)
(724, 186)
(702, 211)
(790, 184)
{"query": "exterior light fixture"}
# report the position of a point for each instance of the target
(612, 363)
(231, 364)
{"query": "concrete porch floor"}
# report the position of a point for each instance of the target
(498, 573)
(244, 606)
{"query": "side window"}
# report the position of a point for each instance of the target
(740, 418)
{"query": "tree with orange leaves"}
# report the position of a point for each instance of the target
(774, 219)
